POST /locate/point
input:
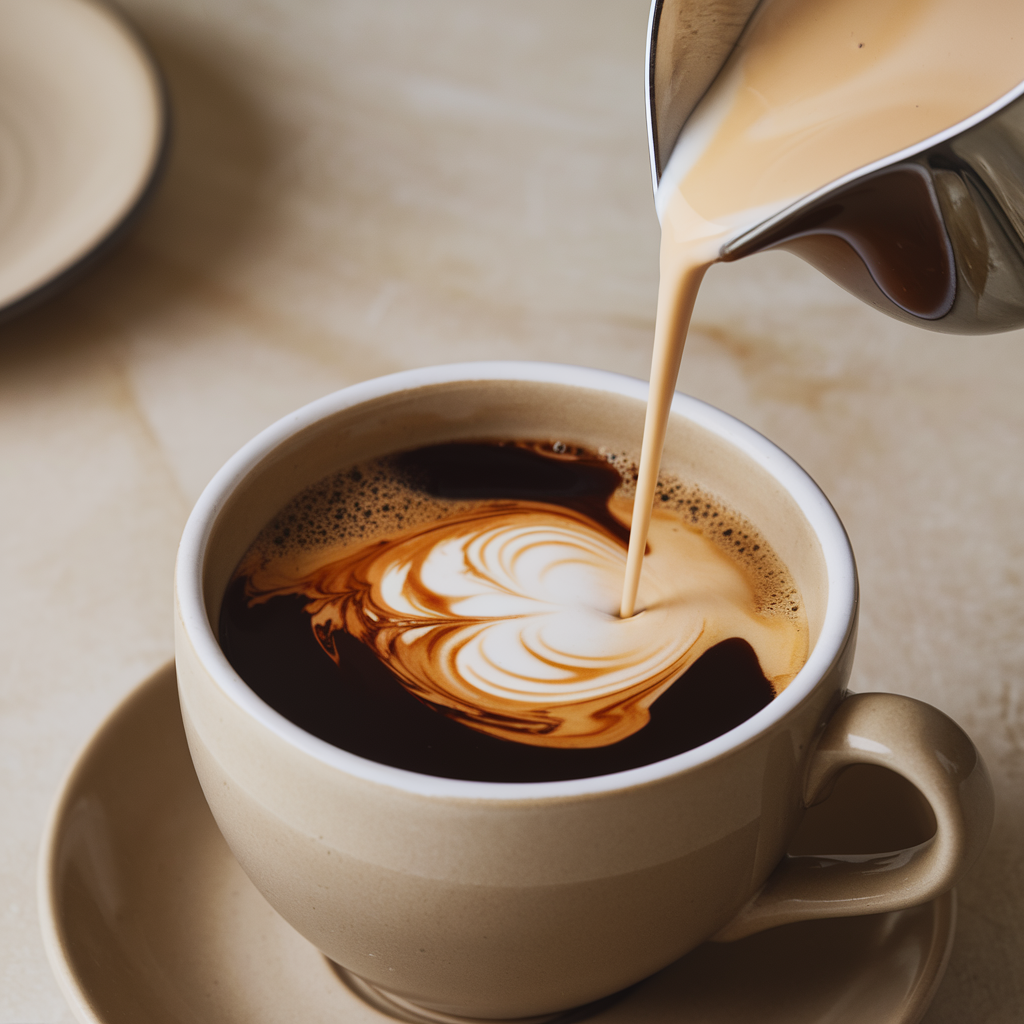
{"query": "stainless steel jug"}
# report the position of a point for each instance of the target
(932, 235)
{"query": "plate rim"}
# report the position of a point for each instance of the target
(65, 272)
(49, 918)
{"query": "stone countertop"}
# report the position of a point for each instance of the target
(361, 186)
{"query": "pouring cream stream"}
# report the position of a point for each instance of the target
(814, 90)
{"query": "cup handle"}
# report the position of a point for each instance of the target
(929, 749)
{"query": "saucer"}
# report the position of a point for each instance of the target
(82, 130)
(147, 917)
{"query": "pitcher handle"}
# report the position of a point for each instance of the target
(931, 751)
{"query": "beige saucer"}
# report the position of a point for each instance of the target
(82, 128)
(147, 917)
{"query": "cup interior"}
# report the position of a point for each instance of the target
(538, 402)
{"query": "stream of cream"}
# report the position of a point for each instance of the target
(815, 89)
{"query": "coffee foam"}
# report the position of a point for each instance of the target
(503, 614)
(376, 499)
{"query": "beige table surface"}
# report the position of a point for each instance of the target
(361, 187)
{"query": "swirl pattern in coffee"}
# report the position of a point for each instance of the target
(493, 600)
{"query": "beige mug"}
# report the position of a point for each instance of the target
(439, 897)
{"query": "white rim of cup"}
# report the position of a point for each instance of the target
(838, 557)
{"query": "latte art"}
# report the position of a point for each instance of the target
(504, 616)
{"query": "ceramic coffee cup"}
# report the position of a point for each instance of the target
(497, 900)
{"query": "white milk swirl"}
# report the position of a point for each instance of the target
(504, 615)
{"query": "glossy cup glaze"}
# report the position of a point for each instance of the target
(503, 900)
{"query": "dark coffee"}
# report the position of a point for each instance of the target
(327, 664)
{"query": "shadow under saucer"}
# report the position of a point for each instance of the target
(148, 918)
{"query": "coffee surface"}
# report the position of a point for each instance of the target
(453, 610)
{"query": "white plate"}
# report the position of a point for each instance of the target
(148, 919)
(82, 127)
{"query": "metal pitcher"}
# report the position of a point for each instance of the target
(932, 235)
